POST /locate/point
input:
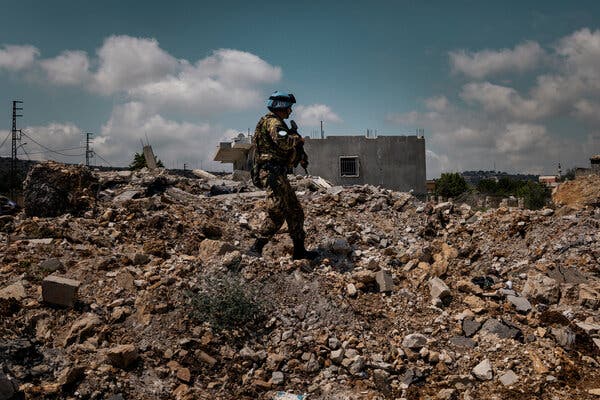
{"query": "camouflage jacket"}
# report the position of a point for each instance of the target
(273, 141)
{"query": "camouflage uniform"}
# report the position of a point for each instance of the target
(275, 152)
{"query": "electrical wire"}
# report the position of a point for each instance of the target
(49, 149)
(5, 139)
(96, 154)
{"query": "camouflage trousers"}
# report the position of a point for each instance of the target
(281, 205)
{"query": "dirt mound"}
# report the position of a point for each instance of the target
(579, 193)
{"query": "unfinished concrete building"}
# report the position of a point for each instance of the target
(394, 162)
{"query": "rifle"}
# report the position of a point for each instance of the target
(303, 159)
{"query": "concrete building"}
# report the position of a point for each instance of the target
(394, 162)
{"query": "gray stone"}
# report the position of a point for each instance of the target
(127, 195)
(15, 291)
(334, 343)
(340, 246)
(541, 289)
(503, 331)
(520, 303)
(438, 289)
(414, 341)
(277, 378)
(337, 356)
(7, 389)
(483, 370)
(351, 290)
(509, 378)
(564, 336)
(470, 326)
(60, 291)
(462, 342)
(385, 281)
(51, 265)
(357, 365)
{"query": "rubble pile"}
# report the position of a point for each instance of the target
(149, 294)
(579, 193)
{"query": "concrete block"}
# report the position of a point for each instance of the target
(385, 281)
(60, 291)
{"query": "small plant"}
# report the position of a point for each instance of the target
(225, 303)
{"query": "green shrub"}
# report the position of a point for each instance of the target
(225, 303)
(535, 195)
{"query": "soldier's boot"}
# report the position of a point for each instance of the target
(300, 252)
(257, 247)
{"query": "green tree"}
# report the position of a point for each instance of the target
(487, 186)
(535, 195)
(139, 162)
(451, 185)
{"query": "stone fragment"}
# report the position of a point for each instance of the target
(595, 392)
(470, 326)
(15, 291)
(462, 342)
(141, 259)
(351, 290)
(385, 281)
(439, 290)
(589, 296)
(334, 343)
(206, 358)
(483, 370)
(340, 246)
(212, 248)
(564, 336)
(503, 331)
(71, 375)
(357, 365)
(337, 356)
(60, 291)
(122, 356)
(51, 265)
(82, 329)
(509, 378)
(277, 378)
(184, 375)
(366, 277)
(7, 388)
(414, 341)
(542, 289)
(520, 303)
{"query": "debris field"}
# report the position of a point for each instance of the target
(137, 285)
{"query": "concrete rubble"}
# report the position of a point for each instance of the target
(408, 300)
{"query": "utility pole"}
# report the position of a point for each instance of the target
(16, 136)
(89, 153)
(322, 133)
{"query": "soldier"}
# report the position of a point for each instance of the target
(277, 148)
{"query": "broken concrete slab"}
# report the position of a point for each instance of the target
(122, 356)
(59, 290)
(439, 290)
(500, 329)
(483, 370)
(385, 281)
(542, 289)
(509, 378)
(520, 303)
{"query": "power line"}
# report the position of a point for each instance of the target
(102, 158)
(49, 149)
(5, 139)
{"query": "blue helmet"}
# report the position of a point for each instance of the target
(280, 100)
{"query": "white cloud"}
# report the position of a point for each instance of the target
(520, 138)
(523, 57)
(225, 80)
(313, 114)
(65, 139)
(16, 58)
(171, 140)
(437, 103)
(495, 98)
(68, 68)
(127, 62)
(588, 110)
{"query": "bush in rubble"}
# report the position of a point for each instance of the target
(535, 195)
(451, 185)
(139, 162)
(225, 303)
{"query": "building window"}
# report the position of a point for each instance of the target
(349, 166)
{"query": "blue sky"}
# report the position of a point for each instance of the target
(511, 83)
